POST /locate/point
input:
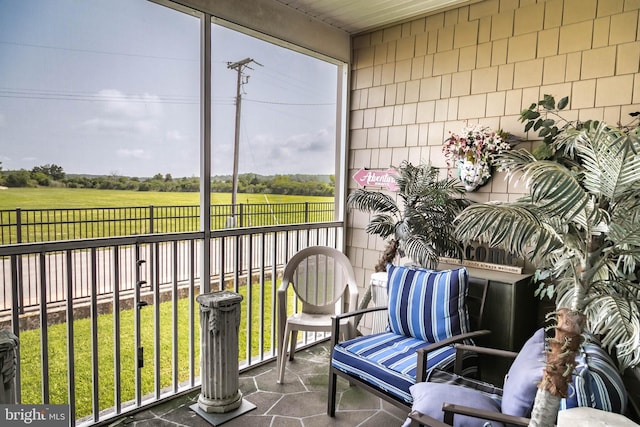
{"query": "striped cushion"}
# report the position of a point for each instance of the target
(596, 383)
(388, 361)
(427, 305)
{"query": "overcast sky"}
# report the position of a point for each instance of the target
(112, 87)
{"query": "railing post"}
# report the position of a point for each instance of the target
(20, 297)
(18, 225)
(241, 222)
(306, 212)
(151, 219)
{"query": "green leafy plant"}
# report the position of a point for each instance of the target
(422, 226)
(580, 226)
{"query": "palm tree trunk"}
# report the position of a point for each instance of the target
(558, 372)
(545, 409)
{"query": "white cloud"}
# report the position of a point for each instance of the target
(174, 135)
(122, 113)
(119, 104)
(301, 153)
(136, 153)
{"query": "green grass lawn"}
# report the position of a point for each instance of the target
(51, 214)
(30, 358)
(58, 198)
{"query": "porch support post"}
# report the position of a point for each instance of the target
(219, 323)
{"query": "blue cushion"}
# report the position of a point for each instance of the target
(388, 361)
(521, 383)
(596, 383)
(426, 304)
(429, 397)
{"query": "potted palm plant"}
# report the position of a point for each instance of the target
(580, 226)
(421, 227)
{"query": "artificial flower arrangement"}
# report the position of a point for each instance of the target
(472, 153)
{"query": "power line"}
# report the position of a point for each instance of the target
(43, 94)
(99, 52)
(290, 103)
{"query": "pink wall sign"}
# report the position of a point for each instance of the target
(377, 178)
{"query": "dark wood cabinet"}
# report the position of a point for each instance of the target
(510, 312)
(511, 309)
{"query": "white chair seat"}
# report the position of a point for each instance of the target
(307, 320)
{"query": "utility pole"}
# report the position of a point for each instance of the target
(239, 67)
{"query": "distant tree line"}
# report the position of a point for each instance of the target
(54, 176)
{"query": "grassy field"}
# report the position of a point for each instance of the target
(50, 214)
(31, 379)
(58, 198)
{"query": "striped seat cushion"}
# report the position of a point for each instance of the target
(388, 361)
(426, 304)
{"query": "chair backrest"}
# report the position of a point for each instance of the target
(476, 297)
(320, 277)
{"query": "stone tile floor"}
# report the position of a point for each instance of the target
(300, 402)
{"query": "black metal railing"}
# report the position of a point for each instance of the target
(47, 225)
(86, 297)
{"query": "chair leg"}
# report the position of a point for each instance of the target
(448, 417)
(294, 342)
(282, 355)
(331, 398)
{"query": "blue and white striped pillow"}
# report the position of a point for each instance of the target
(596, 382)
(427, 304)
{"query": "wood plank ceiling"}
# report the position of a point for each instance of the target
(356, 16)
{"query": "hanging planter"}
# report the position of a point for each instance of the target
(472, 151)
(473, 173)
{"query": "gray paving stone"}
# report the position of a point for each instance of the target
(300, 402)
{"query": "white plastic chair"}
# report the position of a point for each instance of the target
(323, 281)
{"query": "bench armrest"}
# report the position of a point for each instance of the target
(450, 409)
(335, 321)
(484, 414)
(486, 350)
(418, 418)
(421, 369)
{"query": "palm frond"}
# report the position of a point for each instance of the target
(555, 189)
(617, 318)
(421, 251)
(610, 161)
(514, 161)
(371, 201)
(515, 227)
(592, 218)
(412, 180)
(552, 187)
(624, 238)
(383, 225)
(625, 234)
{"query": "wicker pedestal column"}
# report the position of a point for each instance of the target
(8, 367)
